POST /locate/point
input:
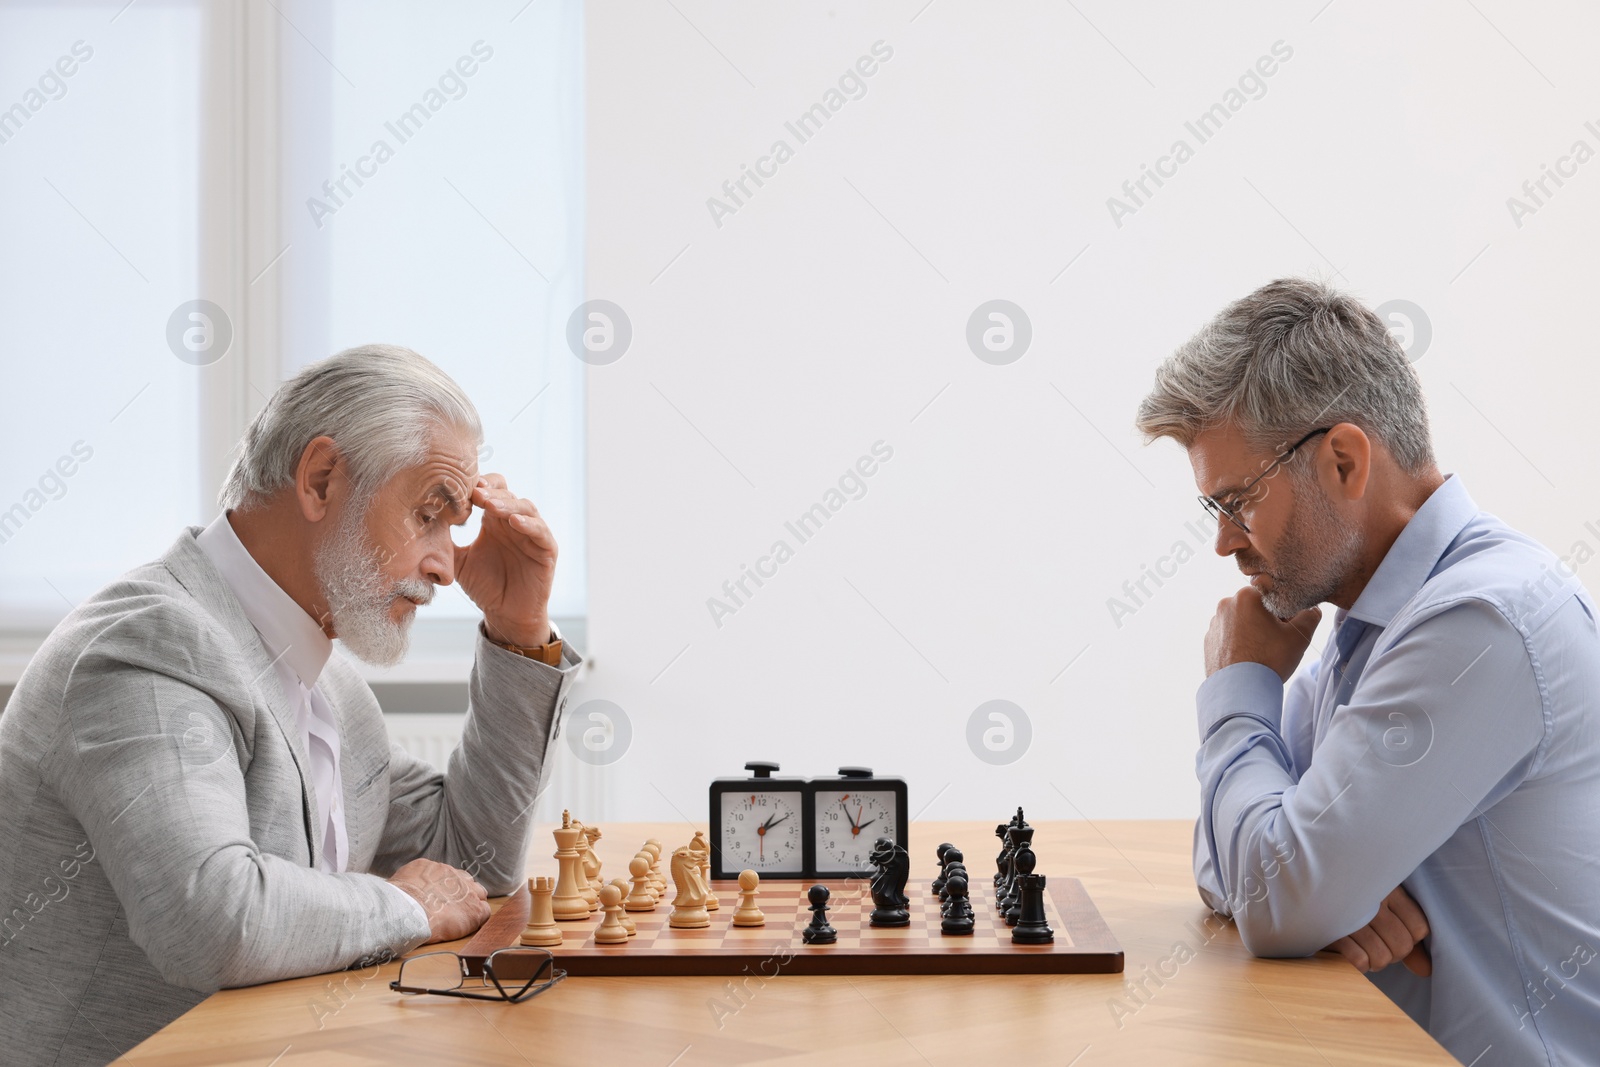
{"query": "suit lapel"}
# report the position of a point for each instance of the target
(195, 572)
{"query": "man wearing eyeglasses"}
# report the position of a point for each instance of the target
(198, 793)
(1424, 794)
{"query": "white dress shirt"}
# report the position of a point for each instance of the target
(299, 651)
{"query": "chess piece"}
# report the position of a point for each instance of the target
(627, 920)
(820, 931)
(958, 918)
(657, 882)
(748, 914)
(950, 872)
(889, 884)
(1032, 926)
(611, 931)
(568, 901)
(1022, 838)
(689, 906)
(700, 846)
(954, 860)
(1005, 854)
(642, 898)
(938, 883)
(590, 893)
(541, 929)
(591, 861)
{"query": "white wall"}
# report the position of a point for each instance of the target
(778, 347)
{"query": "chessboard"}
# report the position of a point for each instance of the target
(1083, 943)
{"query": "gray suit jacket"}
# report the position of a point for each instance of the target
(156, 819)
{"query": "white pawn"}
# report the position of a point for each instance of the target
(643, 898)
(748, 914)
(611, 931)
(627, 920)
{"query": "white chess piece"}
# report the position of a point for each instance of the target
(748, 914)
(643, 898)
(611, 931)
(704, 851)
(689, 906)
(541, 929)
(568, 901)
(627, 920)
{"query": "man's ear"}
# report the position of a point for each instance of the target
(320, 478)
(1352, 459)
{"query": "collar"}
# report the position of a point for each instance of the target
(1412, 558)
(287, 630)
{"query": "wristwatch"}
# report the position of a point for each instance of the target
(548, 653)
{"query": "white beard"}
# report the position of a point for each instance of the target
(359, 598)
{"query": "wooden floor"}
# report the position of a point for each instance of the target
(1190, 994)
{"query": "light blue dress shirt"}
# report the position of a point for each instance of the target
(1447, 740)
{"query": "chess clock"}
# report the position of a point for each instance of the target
(848, 816)
(760, 823)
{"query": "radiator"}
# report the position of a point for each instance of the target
(430, 737)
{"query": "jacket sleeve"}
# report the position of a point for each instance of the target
(148, 761)
(478, 815)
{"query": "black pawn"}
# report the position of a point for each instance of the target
(953, 861)
(1032, 927)
(820, 932)
(958, 913)
(938, 883)
(950, 872)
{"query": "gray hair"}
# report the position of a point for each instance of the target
(1293, 356)
(379, 403)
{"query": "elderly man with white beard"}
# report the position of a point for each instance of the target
(200, 794)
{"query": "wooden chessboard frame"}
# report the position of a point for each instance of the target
(1084, 943)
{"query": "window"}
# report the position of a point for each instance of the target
(327, 174)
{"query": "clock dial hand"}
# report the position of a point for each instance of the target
(775, 821)
(866, 824)
(853, 827)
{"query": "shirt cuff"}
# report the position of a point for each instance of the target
(417, 910)
(1252, 689)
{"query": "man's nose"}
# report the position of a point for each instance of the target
(1230, 538)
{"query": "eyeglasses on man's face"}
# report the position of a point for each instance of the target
(1232, 508)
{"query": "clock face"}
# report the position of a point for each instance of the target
(762, 832)
(849, 823)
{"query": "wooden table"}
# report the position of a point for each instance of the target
(1190, 994)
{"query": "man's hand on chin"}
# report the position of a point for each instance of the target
(509, 569)
(1395, 933)
(1244, 631)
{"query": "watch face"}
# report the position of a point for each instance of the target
(762, 832)
(849, 823)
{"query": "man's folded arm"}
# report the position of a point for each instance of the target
(149, 765)
(1299, 698)
(1447, 721)
(479, 814)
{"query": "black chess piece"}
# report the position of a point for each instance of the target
(1032, 926)
(958, 917)
(1004, 857)
(953, 863)
(820, 931)
(1011, 900)
(889, 884)
(938, 882)
(944, 898)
